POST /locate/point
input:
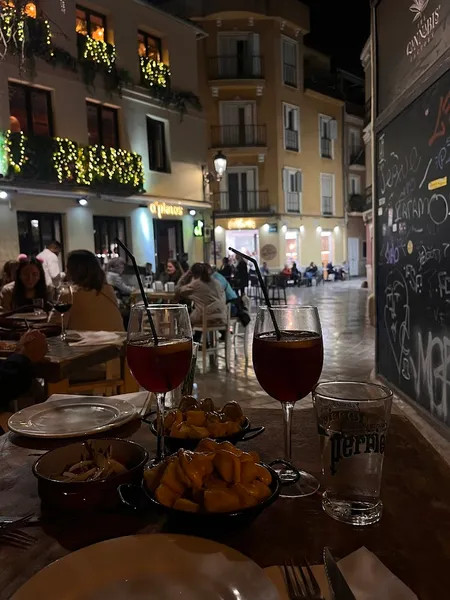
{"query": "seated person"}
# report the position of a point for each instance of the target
(226, 269)
(310, 273)
(16, 372)
(114, 271)
(295, 274)
(206, 294)
(94, 306)
(172, 273)
(264, 270)
(9, 272)
(28, 285)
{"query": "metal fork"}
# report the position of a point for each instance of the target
(299, 585)
(11, 536)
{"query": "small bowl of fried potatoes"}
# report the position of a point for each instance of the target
(215, 484)
(195, 420)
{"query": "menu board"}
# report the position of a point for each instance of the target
(412, 214)
(411, 36)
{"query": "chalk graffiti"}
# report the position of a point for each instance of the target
(430, 372)
(393, 174)
(396, 316)
(440, 128)
(436, 207)
(428, 253)
(392, 254)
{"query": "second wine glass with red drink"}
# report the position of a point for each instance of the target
(288, 364)
(160, 366)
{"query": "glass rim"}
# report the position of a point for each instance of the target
(385, 392)
(287, 307)
(142, 306)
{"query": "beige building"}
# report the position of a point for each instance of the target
(92, 146)
(281, 198)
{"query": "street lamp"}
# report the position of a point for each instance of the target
(220, 166)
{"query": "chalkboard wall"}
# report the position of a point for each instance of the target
(412, 213)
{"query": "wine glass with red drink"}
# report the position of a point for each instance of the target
(159, 366)
(62, 303)
(288, 364)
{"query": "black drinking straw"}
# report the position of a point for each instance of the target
(141, 287)
(264, 289)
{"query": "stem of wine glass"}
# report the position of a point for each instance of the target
(160, 412)
(63, 332)
(288, 407)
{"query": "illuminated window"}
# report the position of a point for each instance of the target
(326, 248)
(149, 46)
(90, 23)
(30, 10)
(30, 110)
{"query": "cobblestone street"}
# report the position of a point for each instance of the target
(348, 341)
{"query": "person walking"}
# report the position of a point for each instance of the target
(49, 259)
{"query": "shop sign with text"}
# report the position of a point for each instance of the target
(162, 209)
(242, 224)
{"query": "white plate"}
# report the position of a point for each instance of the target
(69, 417)
(151, 567)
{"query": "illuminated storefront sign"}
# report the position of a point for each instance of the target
(161, 209)
(241, 224)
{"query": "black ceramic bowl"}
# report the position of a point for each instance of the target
(142, 499)
(76, 495)
(173, 444)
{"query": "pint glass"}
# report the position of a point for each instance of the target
(353, 420)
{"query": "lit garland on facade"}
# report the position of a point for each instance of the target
(16, 164)
(65, 160)
(99, 52)
(48, 37)
(155, 72)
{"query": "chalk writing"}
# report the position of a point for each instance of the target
(396, 173)
(440, 128)
(396, 315)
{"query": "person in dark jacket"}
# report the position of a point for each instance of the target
(226, 270)
(242, 274)
(17, 371)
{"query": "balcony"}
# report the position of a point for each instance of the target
(293, 202)
(359, 203)
(291, 140)
(326, 148)
(97, 52)
(290, 74)
(357, 157)
(242, 202)
(235, 67)
(60, 161)
(154, 73)
(238, 136)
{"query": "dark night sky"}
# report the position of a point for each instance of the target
(340, 28)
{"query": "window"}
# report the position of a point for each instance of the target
(354, 185)
(149, 46)
(37, 230)
(292, 185)
(238, 124)
(354, 143)
(103, 125)
(290, 61)
(327, 135)
(30, 110)
(91, 24)
(291, 127)
(30, 9)
(157, 151)
(239, 55)
(325, 248)
(239, 190)
(291, 241)
(106, 231)
(327, 194)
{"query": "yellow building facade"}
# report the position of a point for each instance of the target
(281, 198)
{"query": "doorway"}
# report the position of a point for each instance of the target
(168, 240)
(37, 230)
(353, 256)
(238, 190)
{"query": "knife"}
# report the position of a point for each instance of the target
(338, 586)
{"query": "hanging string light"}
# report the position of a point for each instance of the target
(154, 72)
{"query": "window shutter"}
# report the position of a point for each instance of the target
(299, 181)
(286, 116)
(333, 129)
(255, 52)
(286, 180)
(296, 120)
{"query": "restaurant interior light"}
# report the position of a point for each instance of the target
(82, 201)
(192, 212)
(218, 229)
(3, 195)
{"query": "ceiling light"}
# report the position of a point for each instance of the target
(82, 202)
(192, 212)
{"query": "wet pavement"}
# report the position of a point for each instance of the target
(349, 343)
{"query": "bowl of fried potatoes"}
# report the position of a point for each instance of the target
(195, 420)
(216, 483)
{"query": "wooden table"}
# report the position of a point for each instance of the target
(154, 297)
(412, 539)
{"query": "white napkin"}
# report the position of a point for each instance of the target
(96, 338)
(365, 574)
(138, 399)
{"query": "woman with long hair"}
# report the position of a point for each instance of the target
(206, 294)
(94, 306)
(9, 272)
(29, 285)
(172, 273)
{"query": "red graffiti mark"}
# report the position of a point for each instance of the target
(441, 127)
